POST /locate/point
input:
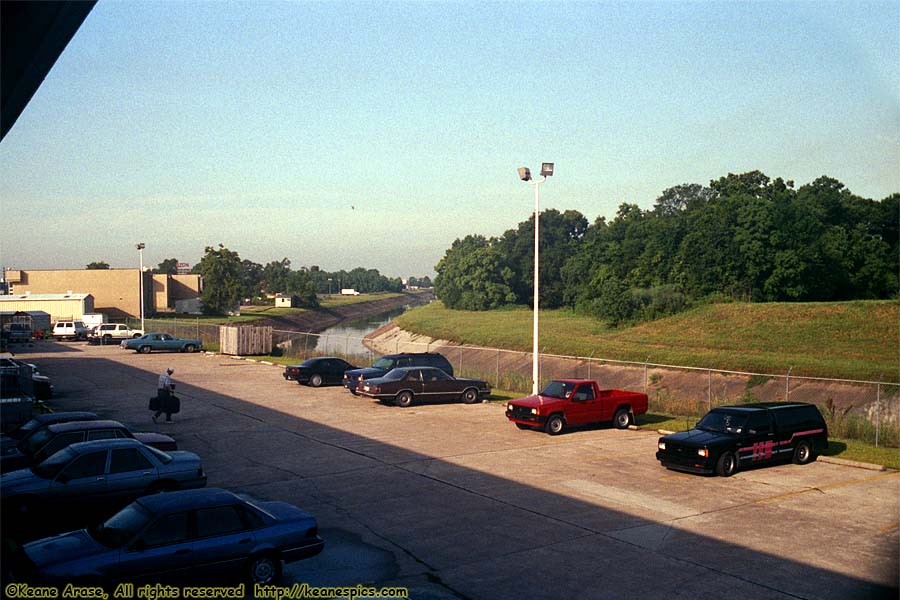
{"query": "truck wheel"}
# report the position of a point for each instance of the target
(555, 425)
(315, 380)
(470, 396)
(726, 466)
(135, 336)
(622, 419)
(144, 350)
(107, 337)
(190, 348)
(803, 453)
(404, 399)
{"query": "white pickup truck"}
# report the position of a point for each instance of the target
(114, 331)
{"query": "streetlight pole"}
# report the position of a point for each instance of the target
(525, 175)
(329, 286)
(140, 248)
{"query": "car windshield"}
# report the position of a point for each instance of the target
(53, 465)
(121, 527)
(395, 374)
(558, 389)
(30, 444)
(723, 422)
(161, 456)
(384, 363)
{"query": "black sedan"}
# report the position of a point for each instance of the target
(322, 370)
(179, 536)
(406, 385)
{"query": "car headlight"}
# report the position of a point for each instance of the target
(534, 411)
(662, 445)
(509, 407)
(703, 452)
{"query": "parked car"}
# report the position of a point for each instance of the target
(731, 437)
(565, 403)
(9, 440)
(107, 332)
(384, 364)
(69, 330)
(161, 342)
(322, 370)
(406, 385)
(85, 475)
(187, 535)
(53, 438)
(18, 332)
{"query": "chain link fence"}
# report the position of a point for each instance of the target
(862, 410)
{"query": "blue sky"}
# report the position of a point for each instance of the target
(373, 134)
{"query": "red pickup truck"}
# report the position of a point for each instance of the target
(567, 402)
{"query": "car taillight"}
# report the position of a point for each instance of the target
(360, 378)
(375, 390)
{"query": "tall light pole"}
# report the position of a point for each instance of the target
(525, 175)
(140, 249)
(329, 286)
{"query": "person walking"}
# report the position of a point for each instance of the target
(165, 399)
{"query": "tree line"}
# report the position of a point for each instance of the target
(743, 237)
(228, 280)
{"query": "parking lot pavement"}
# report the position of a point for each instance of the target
(454, 502)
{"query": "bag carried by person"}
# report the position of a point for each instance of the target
(154, 403)
(172, 404)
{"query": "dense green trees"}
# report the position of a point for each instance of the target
(97, 265)
(228, 280)
(169, 266)
(744, 237)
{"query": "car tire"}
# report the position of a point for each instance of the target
(404, 399)
(470, 396)
(803, 453)
(190, 348)
(135, 336)
(726, 466)
(555, 425)
(315, 380)
(623, 419)
(144, 349)
(264, 569)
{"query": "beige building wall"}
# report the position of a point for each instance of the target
(116, 292)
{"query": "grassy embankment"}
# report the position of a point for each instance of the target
(852, 340)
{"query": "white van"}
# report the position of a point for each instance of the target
(72, 330)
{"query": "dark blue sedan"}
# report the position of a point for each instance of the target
(181, 536)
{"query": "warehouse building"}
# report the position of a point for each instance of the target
(67, 306)
(114, 292)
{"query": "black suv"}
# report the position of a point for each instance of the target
(393, 361)
(730, 437)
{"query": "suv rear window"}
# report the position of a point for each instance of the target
(798, 416)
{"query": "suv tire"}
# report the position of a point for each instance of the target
(726, 466)
(555, 425)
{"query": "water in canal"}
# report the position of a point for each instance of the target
(346, 337)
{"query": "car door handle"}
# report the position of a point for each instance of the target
(147, 473)
(101, 479)
(245, 541)
(183, 551)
